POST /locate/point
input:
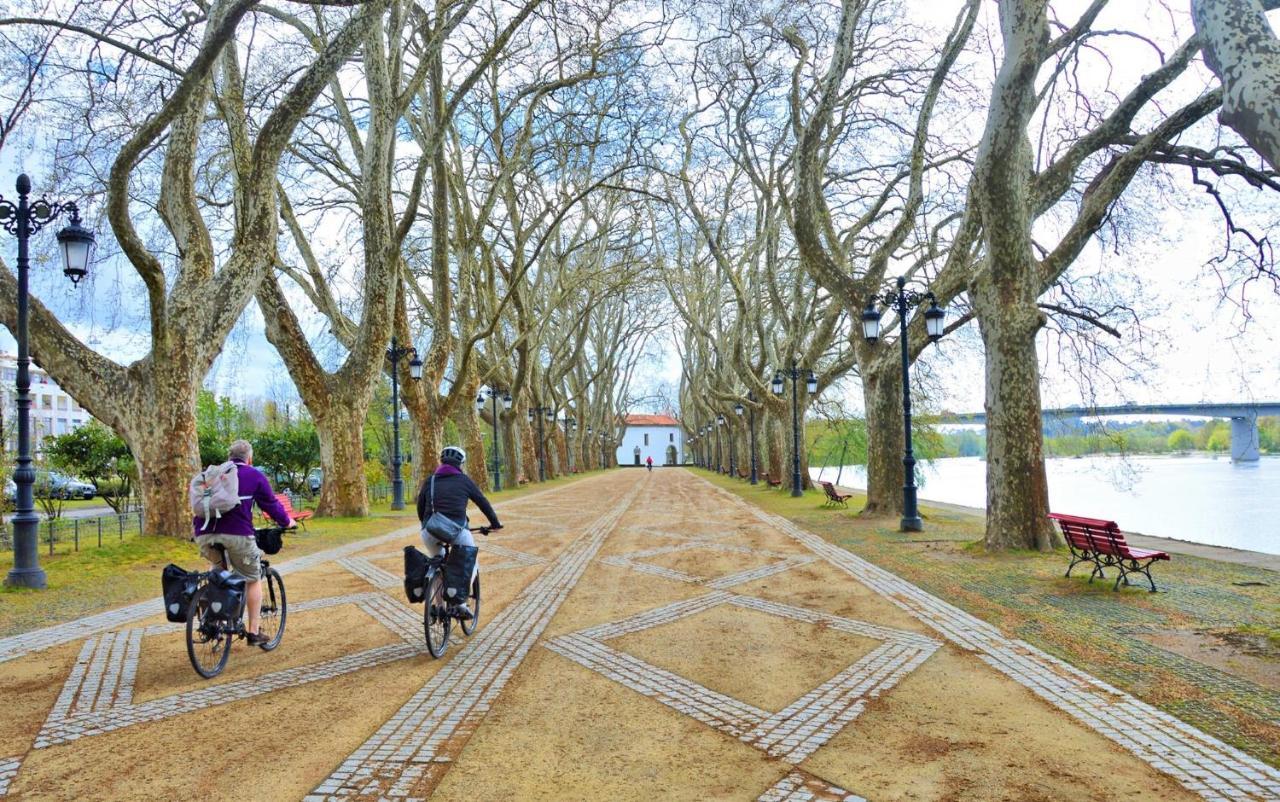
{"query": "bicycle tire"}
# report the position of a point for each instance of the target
(208, 643)
(470, 626)
(275, 609)
(436, 623)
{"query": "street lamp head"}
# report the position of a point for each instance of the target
(934, 320)
(506, 400)
(529, 415)
(871, 322)
(480, 403)
(415, 367)
(77, 248)
(588, 431)
(551, 415)
(720, 420)
(777, 383)
(739, 409)
(811, 383)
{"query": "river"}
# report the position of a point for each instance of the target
(1201, 499)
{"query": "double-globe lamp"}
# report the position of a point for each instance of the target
(934, 321)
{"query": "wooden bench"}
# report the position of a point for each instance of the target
(744, 473)
(298, 515)
(771, 482)
(1102, 543)
(834, 498)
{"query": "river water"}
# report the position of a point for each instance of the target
(1197, 498)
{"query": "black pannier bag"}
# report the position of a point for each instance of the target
(270, 541)
(224, 595)
(179, 585)
(415, 574)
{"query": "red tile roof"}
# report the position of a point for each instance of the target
(651, 420)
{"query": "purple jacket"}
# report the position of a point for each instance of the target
(239, 520)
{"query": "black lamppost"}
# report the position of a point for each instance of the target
(501, 402)
(903, 299)
(738, 409)
(719, 458)
(539, 413)
(586, 448)
(570, 427)
(22, 220)
(395, 353)
(811, 384)
(706, 447)
(755, 460)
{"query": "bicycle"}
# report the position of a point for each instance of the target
(437, 621)
(210, 630)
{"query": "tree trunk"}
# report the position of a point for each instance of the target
(477, 464)
(882, 397)
(167, 455)
(341, 432)
(1017, 486)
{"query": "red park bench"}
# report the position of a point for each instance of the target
(1102, 544)
(833, 497)
(298, 515)
(743, 473)
(771, 482)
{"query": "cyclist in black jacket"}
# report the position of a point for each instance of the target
(452, 490)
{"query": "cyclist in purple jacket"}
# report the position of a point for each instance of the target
(234, 532)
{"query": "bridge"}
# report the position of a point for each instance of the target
(1244, 418)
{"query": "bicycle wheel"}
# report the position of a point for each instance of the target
(208, 643)
(274, 609)
(435, 621)
(474, 603)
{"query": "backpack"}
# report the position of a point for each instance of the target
(213, 491)
(179, 586)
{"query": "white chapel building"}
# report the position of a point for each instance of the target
(657, 436)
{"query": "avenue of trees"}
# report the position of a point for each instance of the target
(542, 196)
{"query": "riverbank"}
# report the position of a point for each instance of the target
(1189, 500)
(1256, 559)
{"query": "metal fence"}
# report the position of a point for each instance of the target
(66, 535)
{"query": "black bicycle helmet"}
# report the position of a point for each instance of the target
(453, 455)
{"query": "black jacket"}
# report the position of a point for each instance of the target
(452, 493)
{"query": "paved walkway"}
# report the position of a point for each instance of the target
(643, 636)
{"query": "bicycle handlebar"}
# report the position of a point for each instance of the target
(484, 530)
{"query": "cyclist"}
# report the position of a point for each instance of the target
(234, 532)
(453, 489)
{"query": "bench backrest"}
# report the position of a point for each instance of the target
(1092, 534)
(285, 502)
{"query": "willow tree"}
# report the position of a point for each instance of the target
(219, 227)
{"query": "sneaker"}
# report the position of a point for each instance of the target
(256, 639)
(460, 612)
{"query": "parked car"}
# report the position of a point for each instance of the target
(77, 488)
(315, 479)
(11, 491)
(57, 485)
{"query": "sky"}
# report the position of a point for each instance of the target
(1198, 344)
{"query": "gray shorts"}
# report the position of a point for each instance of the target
(244, 557)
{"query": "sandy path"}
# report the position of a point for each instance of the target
(644, 636)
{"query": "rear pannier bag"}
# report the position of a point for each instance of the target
(224, 595)
(415, 574)
(179, 585)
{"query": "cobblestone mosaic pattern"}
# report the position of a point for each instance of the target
(795, 732)
(421, 740)
(635, 561)
(800, 787)
(97, 696)
(8, 770)
(1203, 764)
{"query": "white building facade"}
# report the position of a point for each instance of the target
(53, 410)
(658, 436)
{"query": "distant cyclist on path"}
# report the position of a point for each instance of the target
(453, 489)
